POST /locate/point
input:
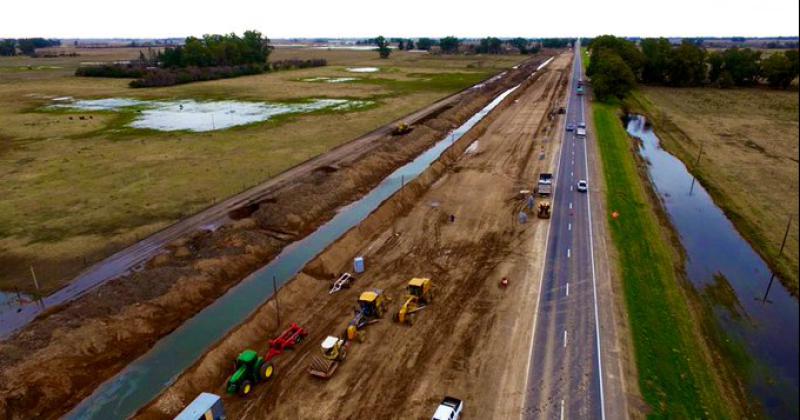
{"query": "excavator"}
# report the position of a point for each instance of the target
(401, 128)
(544, 209)
(420, 294)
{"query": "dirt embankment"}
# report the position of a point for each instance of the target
(94, 337)
(473, 341)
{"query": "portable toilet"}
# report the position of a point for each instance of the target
(358, 264)
(206, 406)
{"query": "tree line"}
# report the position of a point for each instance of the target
(208, 58)
(25, 46)
(617, 65)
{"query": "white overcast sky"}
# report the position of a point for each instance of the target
(408, 18)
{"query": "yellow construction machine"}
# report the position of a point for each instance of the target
(334, 351)
(544, 209)
(420, 294)
(371, 307)
(401, 128)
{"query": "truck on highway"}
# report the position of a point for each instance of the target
(545, 185)
(580, 133)
(580, 90)
(449, 409)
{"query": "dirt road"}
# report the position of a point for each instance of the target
(473, 341)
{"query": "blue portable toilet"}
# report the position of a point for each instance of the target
(206, 406)
(358, 264)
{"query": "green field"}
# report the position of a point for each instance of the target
(672, 359)
(750, 140)
(78, 186)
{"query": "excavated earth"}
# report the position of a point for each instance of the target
(62, 356)
(473, 342)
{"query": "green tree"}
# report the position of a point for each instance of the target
(521, 44)
(401, 45)
(626, 50)
(26, 46)
(777, 69)
(743, 65)
(410, 44)
(449, 44)
(612, 77)
(657, 54)
(716, 63)
(8, 47)
(426, 43)
(383, 47)
(490, 45)
(686, 66)
(794, 60)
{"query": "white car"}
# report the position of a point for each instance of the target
(449, 409)
(581, 124)
(583, 186)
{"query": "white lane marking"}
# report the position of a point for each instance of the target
(572, 173)
(569, 226)
(570, 187)
(544, 264)
(594, 281)
(569, 253)
(567, 289)
(565, 338)
(570, 205)
(562, 409)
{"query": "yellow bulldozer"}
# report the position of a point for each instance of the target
(420, 294)
(371, 307)
(543, 209)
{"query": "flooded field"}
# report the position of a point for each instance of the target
(750, 304)
(363, 69)
(191, 115)
(330, 79)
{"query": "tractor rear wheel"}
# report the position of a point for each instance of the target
(245, 388)
(266, 371)
(299, 339)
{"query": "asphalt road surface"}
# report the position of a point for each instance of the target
(565, 377)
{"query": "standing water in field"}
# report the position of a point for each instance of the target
(147, 376)
(732, 277)
(197, 116)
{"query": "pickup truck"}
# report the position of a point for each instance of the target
(449, 409)
(545, 185)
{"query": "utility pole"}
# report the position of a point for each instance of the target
(769, 286)
(36, 283)
(785, 235)
(275, 296)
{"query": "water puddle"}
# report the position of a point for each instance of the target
(330, 79)
(191, 115)
(363, 69)
(731, 275)
(143, 379)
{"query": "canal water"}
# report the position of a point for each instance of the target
(146, 377)
(727, 272)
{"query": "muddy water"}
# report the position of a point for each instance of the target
(203, 116)
(146, 377)
(730, 275)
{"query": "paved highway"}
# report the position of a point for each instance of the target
(565, 376)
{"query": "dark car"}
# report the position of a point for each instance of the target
(570, 127)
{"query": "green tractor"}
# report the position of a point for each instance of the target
(250, 369)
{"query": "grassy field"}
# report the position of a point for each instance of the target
(77, 186)
(675, 378)
(750, 140)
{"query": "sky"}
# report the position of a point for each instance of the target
(404, 18)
